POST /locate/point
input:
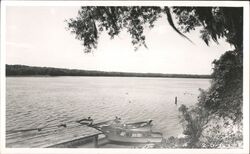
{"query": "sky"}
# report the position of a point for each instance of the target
(37, 36)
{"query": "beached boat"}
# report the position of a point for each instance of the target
(137, 126)
(131, 136)
(138, 132)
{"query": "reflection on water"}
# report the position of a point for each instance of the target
(39, 101)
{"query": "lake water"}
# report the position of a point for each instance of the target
(37, 101)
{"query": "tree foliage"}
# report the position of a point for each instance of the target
(225, 96)
(194, 121)
(221, 133)
(93, 20)
(216, 22)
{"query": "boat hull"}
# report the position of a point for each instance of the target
(134, 136)
(120, 139)
(140, 132)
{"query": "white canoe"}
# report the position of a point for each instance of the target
(132, 136)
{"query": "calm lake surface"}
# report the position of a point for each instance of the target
(37, 101)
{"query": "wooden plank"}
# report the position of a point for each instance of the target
(48, 137)
(95, 138)
(88, 141)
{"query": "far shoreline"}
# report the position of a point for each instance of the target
(34, 71)
(48, 76)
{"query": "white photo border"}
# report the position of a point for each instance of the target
(244, 4)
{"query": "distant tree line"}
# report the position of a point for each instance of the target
(22, 70)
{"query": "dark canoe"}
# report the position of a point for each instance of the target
(139, 126)
(85, 121)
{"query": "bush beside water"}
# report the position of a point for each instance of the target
(216, 120)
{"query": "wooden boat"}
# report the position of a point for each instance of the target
(137, 126)
(139, 132)
(131, 136)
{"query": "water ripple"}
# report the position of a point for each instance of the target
(35, 102)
